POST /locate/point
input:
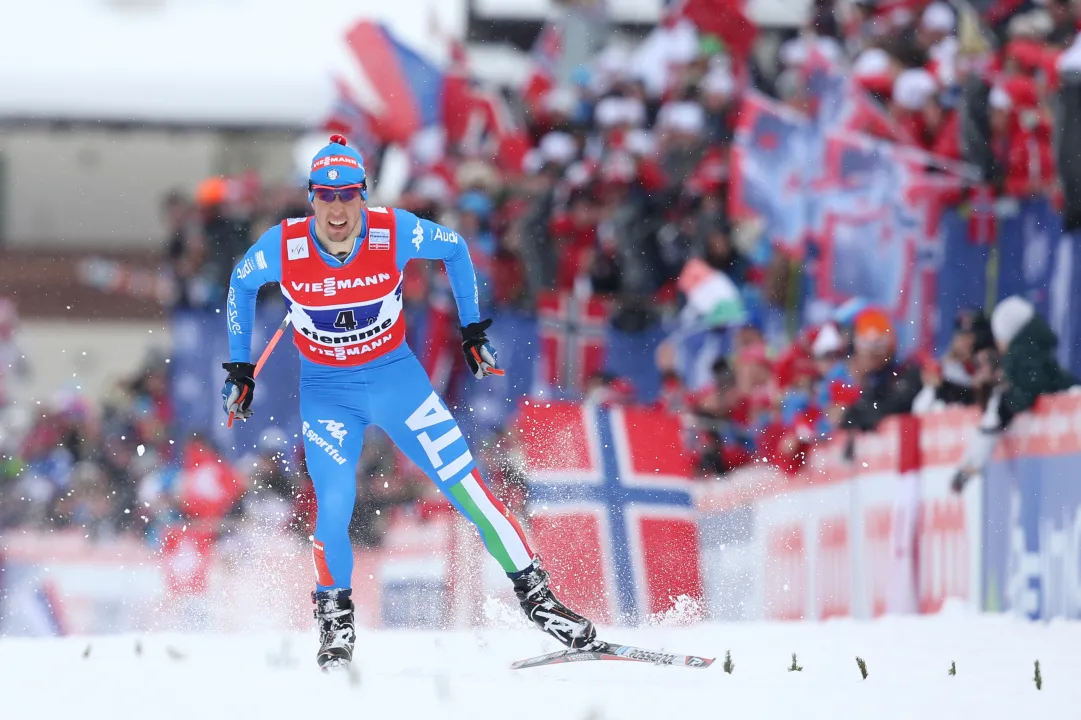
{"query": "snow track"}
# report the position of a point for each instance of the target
(450, 675)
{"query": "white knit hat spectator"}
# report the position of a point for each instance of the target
(913, 88)
(1035, 25)
(682, 43)
(615, 111)
(561, 101)
(719, 81)
(943, 62)
(432, 187)
(532, 162)
(999, 99)
(874, 70)
(939, 18)
(640, 142)
(558, 147)
(578, 174)
(870, 62)
(607, 113)
(1009, 317)
(613, 64)
(428, 146)
(687, 118)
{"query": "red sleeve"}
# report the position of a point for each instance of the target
(1017, 182)
(948, 142)
(651, 175)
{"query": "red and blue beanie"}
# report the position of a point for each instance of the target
(338, 164)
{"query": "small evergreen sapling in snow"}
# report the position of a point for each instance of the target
(729, 666)
(953, 668)
(1038, 678)
(795, 667)
(863, 667)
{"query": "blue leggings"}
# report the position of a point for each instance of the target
(336, 405)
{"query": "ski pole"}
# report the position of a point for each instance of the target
(259, 365)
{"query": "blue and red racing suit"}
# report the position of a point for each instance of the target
(357, 370)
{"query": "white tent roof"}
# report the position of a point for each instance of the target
(213, 62)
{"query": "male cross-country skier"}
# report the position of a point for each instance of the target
(341, 274)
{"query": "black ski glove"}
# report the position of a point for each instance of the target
(241, 375)
(479, 353)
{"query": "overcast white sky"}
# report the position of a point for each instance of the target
(215, 60)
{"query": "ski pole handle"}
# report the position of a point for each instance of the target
(259, 365)
(492, 370)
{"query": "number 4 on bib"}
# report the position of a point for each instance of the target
(346, 320)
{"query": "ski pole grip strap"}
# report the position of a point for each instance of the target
(476, 331)
(239, 370)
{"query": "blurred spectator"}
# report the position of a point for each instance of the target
(186, 252)
(950, 380)
(722, 444)
(606, 388)
(474, 225)
(722, 255)
(1029, 364)
(1028, 369)
(1020, 140)
(887, 387)
(755, 386)
(935, 37)
(682, 127)
(226, 230)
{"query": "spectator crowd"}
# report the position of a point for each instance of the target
(615, 179)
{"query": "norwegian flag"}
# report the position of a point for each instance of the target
(611, 512)
(573, 337)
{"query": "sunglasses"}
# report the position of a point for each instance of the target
(347, 193)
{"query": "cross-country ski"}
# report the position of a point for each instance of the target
(609, 651)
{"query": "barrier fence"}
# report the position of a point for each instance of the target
(868, 528)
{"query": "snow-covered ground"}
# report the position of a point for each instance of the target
(444, 676)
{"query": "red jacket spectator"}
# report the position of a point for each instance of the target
(1030, 162)
(1021, 140)
(1032, 57)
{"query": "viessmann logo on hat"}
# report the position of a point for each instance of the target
(335, 160)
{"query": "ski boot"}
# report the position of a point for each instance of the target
(549, 614)
(334, 611)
